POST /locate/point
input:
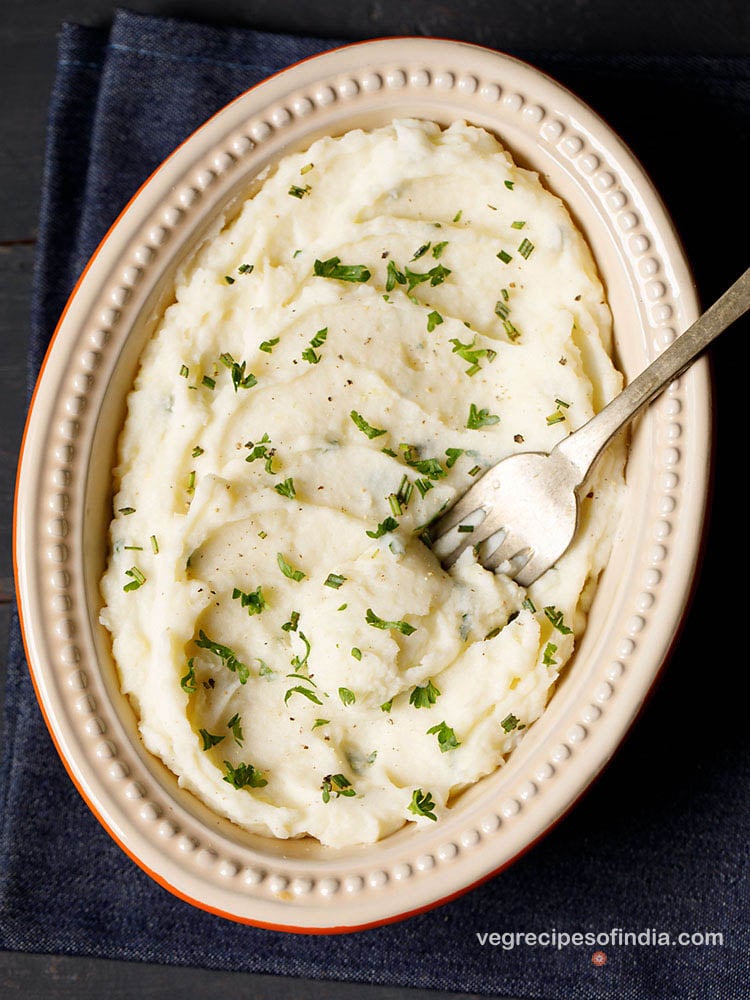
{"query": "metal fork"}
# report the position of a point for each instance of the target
(523, 513)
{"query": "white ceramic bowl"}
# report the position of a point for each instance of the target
(64, 492)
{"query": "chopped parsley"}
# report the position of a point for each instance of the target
(318, 340)
(320, 722)
(445, 736)
(188, 683)
(387, 705)
(549, 653)
(472, 355)
(368, 429)
(390, 524)
(436, 276)
(509, 723)
(253, 602)
(480, 418)
(556, 617)
(235, 724)
(347, 697)
(429, 467)
(297, 663)
(433, 319)
(333, 268)
(437, 250)
(298, 689)
(422, 804)
(291, 625)
(286, 569)
(336, 784)
(422, 251)
(453, 455)
(393, 277)
(334, 580)
(399, 626)
(286, 489)
(225, 654)
(243, 775)
(209, 739)
(137, 579)
(424, 695)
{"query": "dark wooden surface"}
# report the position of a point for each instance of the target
(27, 62)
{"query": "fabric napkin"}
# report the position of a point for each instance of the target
(661, 841)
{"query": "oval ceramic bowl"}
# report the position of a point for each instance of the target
(64, 492)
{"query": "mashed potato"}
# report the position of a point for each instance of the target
(390, 315)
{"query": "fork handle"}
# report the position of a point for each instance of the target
(583, 447)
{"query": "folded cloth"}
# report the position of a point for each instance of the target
(660, 843)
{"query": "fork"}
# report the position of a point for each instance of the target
(522, 515)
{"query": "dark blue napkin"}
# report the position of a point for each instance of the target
(661, 841)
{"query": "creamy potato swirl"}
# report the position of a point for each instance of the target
(391, 314)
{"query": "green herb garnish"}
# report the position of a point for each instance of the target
(239, 379)
(286, 569)
(225, 654)
(480, 418)
(336, 784)
(286, 489)
(368, 429)
(422, 251)
(517, 225)
(333, 268)
(334, 580)
(235, 724)
(509, 723)
(556, 617)
(321, 722)
(253, 602)
(509, 185)
(356, 653)
(549, 652)
(453, 455)
(424, 695)
(390, 524)
(299, 192)
(298, 689)
(433, 319)
(137, 578)
(504, 256)
(209, 739)
(210, 383)
(387, 705)
(435, 276)
(399, 626)
(529, 605)
(154, 545)
(184, 371)
(246, 268)
(422, 804)
(437, 250)
(267, 346)
(229, 279)
(187, 683)
(472, 354)
(197, 451)
(445, 736)
(291, 625)
(126, 510)
(525, 248)
(347, 697)
(243, 775)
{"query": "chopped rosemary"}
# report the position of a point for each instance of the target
(393, 277)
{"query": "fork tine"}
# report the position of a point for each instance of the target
(450, 544)
(513, 550)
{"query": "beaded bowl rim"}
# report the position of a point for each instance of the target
(183, 846)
